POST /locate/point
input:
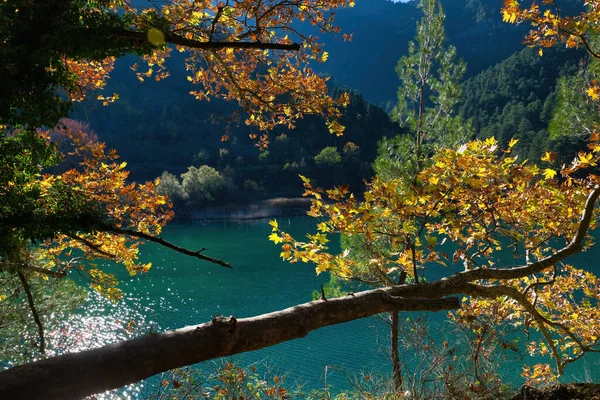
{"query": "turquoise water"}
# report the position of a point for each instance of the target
(180, 291)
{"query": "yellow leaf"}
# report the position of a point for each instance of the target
(512, 143)
(593, 93)
(491, 141)
(586, 158)
(549, 156)
(304, 179)
(274, 224)
(285, 255)
(549, 173)
(273, 237)
(431, 240)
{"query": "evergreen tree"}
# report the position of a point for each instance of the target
(427, 97)
(428, 93)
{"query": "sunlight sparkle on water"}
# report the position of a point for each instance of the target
(102, 322)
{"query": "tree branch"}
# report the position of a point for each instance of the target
(448, 285)
(494, 291)
(92, 246)
(214, 24)
(162, 242)
(142, 37)
(33, 268)
(119, 364)
(36, 316)
(93, 371)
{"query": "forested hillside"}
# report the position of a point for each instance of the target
(381, 30)
(158, 126)
(517, 98)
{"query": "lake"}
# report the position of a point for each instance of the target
(181, 290)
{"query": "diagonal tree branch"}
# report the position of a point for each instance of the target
(447, 286)
(33, 268)
(93, 371)
(162, 242)
(142, 37)
(92, 246)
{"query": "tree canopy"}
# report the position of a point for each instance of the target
(58, 52)
(485, 203)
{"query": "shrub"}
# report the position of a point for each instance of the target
(328, 157)
(251, 186)
(169, 185)
(203, 185)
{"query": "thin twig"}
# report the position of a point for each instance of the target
(33, 268)
(92, 246)
(162, 242)
(36, 316)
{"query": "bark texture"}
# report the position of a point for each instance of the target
(395, 353)
(81, 374)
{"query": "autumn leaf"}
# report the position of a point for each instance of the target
(304, 179)
(275, 238)
(549, 173)
(549, 157)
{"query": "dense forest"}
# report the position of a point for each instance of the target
(447, 151)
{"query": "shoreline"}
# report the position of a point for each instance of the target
(271, 208)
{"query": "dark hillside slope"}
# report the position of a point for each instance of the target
(516, 98)
(382, 29)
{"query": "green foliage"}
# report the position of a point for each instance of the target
(517, 99)
(328, 157)
(264, 155)
(351, 150)
(135, 129)
(430, 72)
(428, 93)
(202, 185)
(32, 211)
(382, 27)
(169, 185)
(251, 186)
(395, 157)
(332, 289)
(574, 113)
(230, 381)
(35, 37)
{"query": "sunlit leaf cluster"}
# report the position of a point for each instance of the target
(76, 214)
(250, 52)
(551, 26)
(473, 208)
(103, 181)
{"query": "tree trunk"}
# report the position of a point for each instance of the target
(395, 354)
(94, 371)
